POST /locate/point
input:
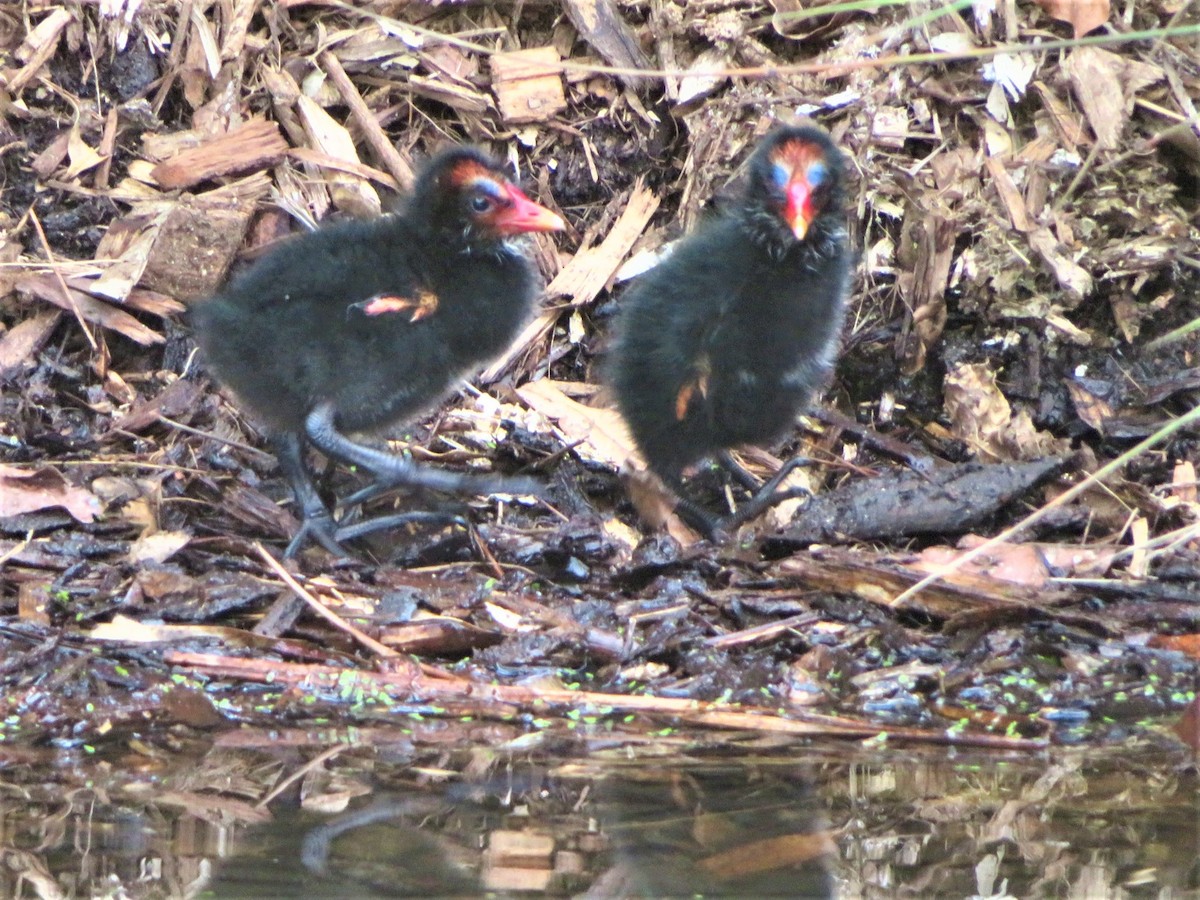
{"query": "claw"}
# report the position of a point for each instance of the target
(321, 527)
(379, 523)
(718, 528)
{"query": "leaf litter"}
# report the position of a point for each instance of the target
(1027, 222)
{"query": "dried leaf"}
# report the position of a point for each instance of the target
(46, 287)
(600, 434)
(1091, 409)
(81, 155)
(981, 415)
(1030, 564)
(1072, 277)
(157, 547)
(1106, 85)
(29, 490)
(1082, 15)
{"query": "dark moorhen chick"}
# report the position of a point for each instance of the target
(725, 341)
(361, 325)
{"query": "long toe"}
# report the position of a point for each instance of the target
(762, 501)
(393, 520)
(700, 519)
(771, 485)
(323, 530)
(738, 472)
(480, 485)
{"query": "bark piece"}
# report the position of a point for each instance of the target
(195, 247)
(255, 145)
(175, 399)
(438, 634)
(949, 500)
(600, 24)
(25, 339)
(528, 85)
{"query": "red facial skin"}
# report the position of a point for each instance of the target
(800, 208)
(510, 212)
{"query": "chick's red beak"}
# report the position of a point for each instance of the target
(522, 215)
(799, 210)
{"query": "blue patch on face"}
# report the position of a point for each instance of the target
(781, 175)
(816, 174)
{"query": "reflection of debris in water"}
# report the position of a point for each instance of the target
(716, 830)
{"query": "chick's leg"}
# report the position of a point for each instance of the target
(317, 522)
(391, 470)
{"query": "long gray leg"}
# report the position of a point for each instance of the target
(317, 522)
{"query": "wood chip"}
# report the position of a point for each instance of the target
(769, 855)
(925, 289)
(1073, 278)
(601, 434)
(1009, 195)
(195, 246)
(522, 849)
(349, 192)
(599, 23)
(39, 45)
(588, 272)
(385, 150)
(528, 85)
(174, 400)
(438, 634)
(25, 339)
(255, 145)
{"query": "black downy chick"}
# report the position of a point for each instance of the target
(725, 341)
(362, 325)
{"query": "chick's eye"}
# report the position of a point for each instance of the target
(817, 174)
(780, 175)
(480, 203)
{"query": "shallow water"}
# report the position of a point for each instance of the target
(297, 814)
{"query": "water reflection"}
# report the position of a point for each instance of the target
(652, 820)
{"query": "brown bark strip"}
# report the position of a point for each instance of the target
(599, 23)
(255, 145)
